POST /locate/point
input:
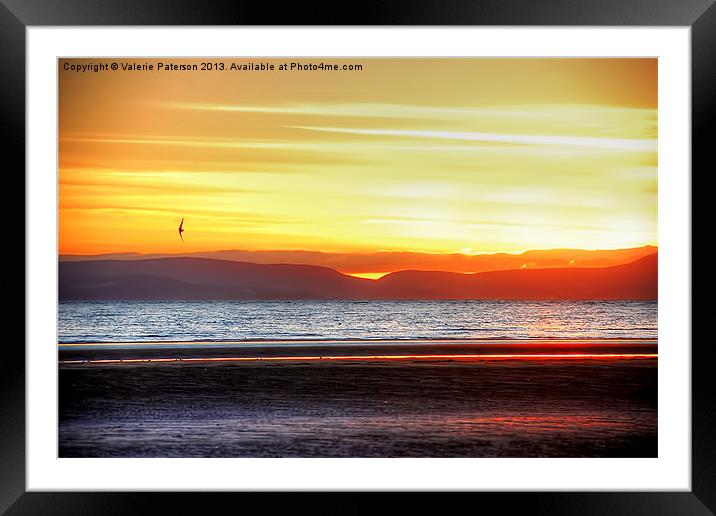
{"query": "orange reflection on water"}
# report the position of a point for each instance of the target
(472, 357)
(548, 423)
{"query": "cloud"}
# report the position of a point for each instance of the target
(189, 142)
(572, 112)
(616, 144)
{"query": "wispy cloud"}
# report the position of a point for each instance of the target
(189, 142)
(248, 219)
(575, 112)
(619, 144)
(353, 109)
(324, 147)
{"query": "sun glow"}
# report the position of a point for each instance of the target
(368, 275)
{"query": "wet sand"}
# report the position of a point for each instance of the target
(432, 406)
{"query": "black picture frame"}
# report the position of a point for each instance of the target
(17, 15)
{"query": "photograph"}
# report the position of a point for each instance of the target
(357, 257)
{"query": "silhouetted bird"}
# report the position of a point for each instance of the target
(181, 230)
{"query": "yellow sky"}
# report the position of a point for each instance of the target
(435, 155)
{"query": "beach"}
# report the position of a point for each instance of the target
(378, 398)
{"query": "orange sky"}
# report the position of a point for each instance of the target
(432, 155)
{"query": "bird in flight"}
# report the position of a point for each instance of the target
(181, 230)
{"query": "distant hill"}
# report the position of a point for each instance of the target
(393, 261)
(209, 279)
(202, 278)
(635, 280)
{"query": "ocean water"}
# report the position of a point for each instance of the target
(207, 406)
(265, 320)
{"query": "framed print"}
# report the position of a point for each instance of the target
(321, 257)
(382, 339)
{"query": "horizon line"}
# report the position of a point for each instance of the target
(379, 251)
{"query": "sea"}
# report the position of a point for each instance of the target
(136, 321)
(193, 402)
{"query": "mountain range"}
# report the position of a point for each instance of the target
(394, 261)
(191, 278)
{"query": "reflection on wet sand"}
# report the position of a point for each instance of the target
(357, 406)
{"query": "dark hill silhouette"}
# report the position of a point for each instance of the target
(394, 261)
(636, 280)
(201, 279)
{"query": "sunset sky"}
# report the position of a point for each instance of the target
(432, 155)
